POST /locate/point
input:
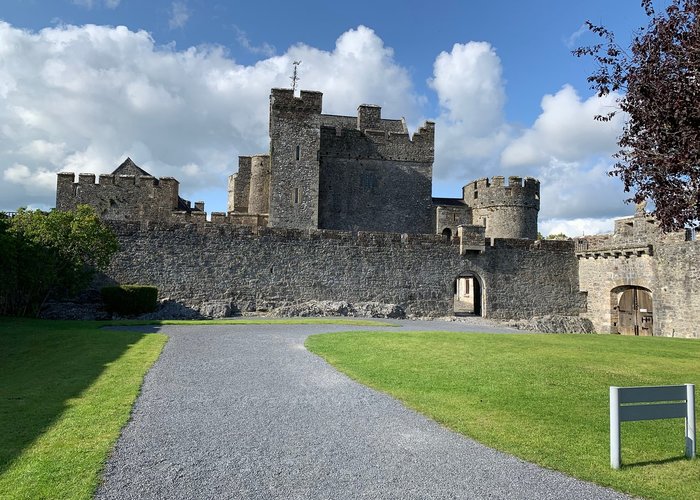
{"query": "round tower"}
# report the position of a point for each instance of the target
(507, 211)
(259, 197)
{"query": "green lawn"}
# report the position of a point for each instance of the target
(541, 397)
(66, 390)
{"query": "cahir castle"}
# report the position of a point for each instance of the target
(341, 209)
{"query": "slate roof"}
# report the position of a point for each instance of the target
(128, 167)
(455, 202)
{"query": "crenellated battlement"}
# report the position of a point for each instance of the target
(307, 102)
(128, 193)
(506, 210)
(379, 144)
(493, 192)
(85, 179)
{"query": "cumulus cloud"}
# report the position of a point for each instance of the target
(575, 189)
(82, 98)
(567, 130)
(570, 152)
(577, 227)
(470, 129)
(179, 15)
(566, 148)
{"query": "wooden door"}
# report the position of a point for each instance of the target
(635, 313)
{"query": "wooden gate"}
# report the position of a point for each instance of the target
(635, 312)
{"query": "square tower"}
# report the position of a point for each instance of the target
(295, 124)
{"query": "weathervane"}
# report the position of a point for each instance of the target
(294, 78)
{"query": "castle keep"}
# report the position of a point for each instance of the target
(341, 209)
(365, 173)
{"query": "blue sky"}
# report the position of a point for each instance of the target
(182, 89)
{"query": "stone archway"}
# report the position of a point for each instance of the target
(632, 310)
(447, 233)
(468, 295)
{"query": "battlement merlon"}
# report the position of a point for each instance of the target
(68, 179)
(369, 116)
(307, 102)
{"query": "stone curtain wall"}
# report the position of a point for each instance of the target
(671, 273)
(677, 298)
(532, 278)
(195, 264)
(119, 197)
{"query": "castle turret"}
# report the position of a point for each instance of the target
(294, 158)
(239, 186)
(259, 197)
(506, 211)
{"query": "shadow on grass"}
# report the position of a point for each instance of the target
(656, 462)
(44, 365)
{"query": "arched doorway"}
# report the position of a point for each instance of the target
(632, 311)
(447, 233)
(467, 295)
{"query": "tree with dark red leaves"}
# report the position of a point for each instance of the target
(659, 79)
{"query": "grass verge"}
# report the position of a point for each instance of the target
(67, 390)
(543, 398)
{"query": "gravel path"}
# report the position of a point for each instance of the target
(247, 412)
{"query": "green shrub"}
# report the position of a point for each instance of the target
(50, 255)
(128, 300)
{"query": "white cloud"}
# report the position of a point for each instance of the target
(82, 98)
(566, 148)
(576, 189)
(577, 227)
(567, 130)
(179, 15)
(469, 86)
(470, 131)
(573, 39)
(34, 182)
(85, 97)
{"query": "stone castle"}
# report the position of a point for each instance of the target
(341, 209)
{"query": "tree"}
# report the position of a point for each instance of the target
(659, 155)
(50, 254)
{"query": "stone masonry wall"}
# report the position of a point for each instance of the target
(375, 195)
(239, 186)
(376, 180)
(671, 272)
(194, 264)
(119, 197)
(507, 211)
(259, 197)
(294, 163)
